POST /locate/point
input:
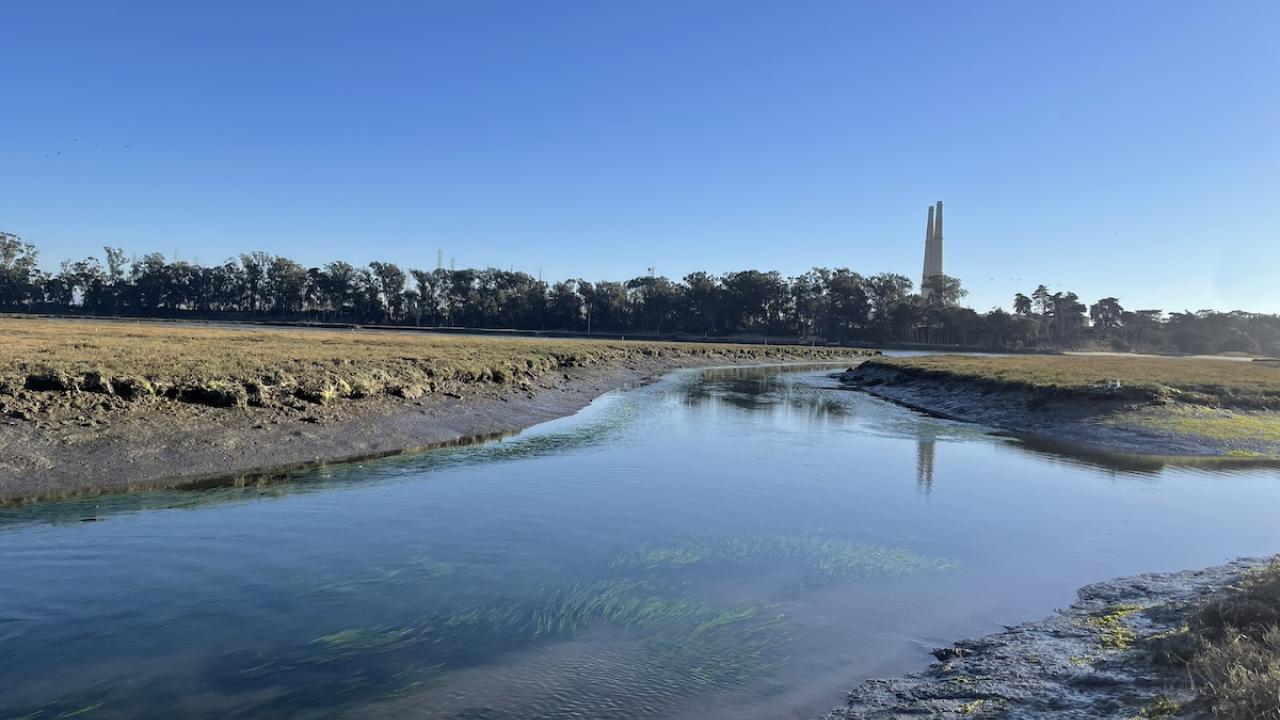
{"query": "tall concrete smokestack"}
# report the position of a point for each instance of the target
(937, 241)
(928, 244)
(932, 248)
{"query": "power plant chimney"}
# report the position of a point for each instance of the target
(928, 248)
(937, 240)
(932, 248)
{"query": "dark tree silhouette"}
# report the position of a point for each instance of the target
(823, 305)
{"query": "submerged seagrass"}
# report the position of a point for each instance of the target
(825, 559)
(690, 642)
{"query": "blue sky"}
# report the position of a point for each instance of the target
(1125, 149)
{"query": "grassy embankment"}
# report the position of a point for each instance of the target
(136, 362)
(1230, 649)
(1232, 404)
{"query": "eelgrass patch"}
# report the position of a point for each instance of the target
(688, 643)
(823, 559)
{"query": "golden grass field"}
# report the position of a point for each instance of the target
(1227, 383)
(229, 366)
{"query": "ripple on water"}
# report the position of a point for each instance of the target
(743, 535)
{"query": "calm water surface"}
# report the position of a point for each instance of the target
(721, 544)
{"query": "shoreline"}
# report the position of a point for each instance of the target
(1116, 425)
(167, 445)
(1095, 659)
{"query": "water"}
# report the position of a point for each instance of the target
(721, 544)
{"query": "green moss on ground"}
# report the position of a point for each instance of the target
(1240, 433)
(1115, 635)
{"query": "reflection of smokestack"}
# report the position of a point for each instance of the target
(924, 464)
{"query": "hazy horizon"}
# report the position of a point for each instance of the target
(1106, 150)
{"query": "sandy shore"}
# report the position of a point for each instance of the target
(86, 450)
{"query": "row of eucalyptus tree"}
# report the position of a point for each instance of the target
(833, 305)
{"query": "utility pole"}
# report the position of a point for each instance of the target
(439, 259)
(452, 263)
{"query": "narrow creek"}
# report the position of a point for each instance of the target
(738, 543)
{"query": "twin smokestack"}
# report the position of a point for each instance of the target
(932, 248)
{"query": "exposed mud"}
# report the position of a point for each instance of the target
(65, 440)
(1099, 659)
(1114, 423)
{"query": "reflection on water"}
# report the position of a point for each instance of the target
(924, 463)
(760, 390)
(730, 543)
(1058, 452)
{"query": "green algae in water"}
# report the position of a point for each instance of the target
(84, 703)
(825, 560)
(692, 643)
(360, 641)
(414, 571)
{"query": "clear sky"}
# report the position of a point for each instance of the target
(1109, 148)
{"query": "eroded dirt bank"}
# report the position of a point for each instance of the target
(1099, 659)
(1101, 420)
(78, 442)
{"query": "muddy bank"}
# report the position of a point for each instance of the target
(1098, 659)
(80, 443)
(1100, 421)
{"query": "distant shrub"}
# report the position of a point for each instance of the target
(1234, 340)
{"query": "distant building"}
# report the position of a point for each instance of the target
(932, 248)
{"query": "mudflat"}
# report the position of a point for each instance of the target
(1192, 644)
(89, 406)
(1140, 404)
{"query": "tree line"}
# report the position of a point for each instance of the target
(824, 305)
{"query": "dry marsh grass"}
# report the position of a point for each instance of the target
(238, 367)
(1236, 658)
(1221, 383)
